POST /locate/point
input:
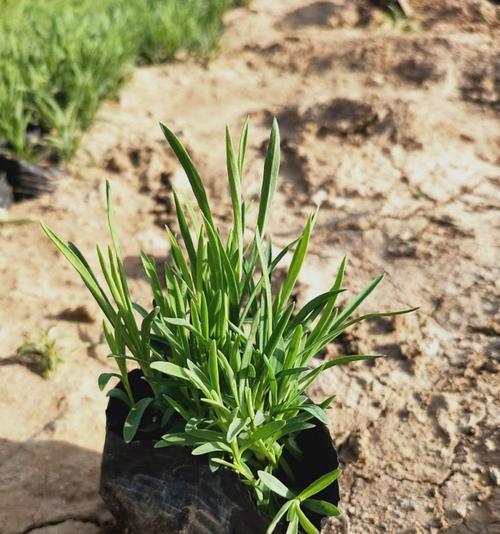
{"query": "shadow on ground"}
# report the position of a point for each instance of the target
(59, 480)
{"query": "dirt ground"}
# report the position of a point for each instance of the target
(396, 133)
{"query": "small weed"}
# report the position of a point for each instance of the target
(399, 20)
(42, 356)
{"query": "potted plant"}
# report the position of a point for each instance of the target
(213, 430)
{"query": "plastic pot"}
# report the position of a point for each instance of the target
(170, 491)
(20, 180)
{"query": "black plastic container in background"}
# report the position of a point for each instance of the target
(170, 491)
(20, 180)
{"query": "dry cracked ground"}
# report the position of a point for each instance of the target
(396, 134)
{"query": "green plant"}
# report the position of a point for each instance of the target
(220, 347)
(60, 59)
(41, 355)
(400, 20)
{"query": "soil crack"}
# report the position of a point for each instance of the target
(92, 520)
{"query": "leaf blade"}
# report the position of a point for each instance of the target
(134, 418)
(275, 485)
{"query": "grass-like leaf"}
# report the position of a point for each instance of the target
(321, 507)
(271, 170)
(190, 170)
(134, 419)
(318, 485)
(104, 378)
(275, 485)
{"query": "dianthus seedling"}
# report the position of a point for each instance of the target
(223, 347)
(42, 354)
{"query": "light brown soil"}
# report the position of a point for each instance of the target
(397, 135)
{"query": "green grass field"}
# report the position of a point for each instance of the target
(60, 58)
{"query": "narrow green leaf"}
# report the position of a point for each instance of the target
(178, 407)
(213, 465)
(249, 402)
(179, 259)
(326, 403)
(271, 170)
(217, 404)
(275, 485)
(146, 328)
(171, 369)
(296, 265)
(116, 393)
(312, 306)
(149, 267)
(268, 313)
(263, 432)
(293, 526)
(234, 178)
(184, 229)
(277, 518)
(229, 374)
(247, 353)
(199, 380)
(201, 258)
(357, 301)
(84, 271)
(236, 426)
(213, 366)
(330, 313)
(319, 484)
(293, 348)
(292, 372)
(321, 507)
(377, 315)
(282, 254)
(111, 219)
(116, 249)
(235, 356)
(176, 440)
(278, 331)
(205, 434)
(190, 170)
(104, 378)
(316, 412)
(304, 522)
(222, 265)
(134, 419)
(243, 147)
(207, 448)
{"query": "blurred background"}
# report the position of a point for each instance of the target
(389, 119)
